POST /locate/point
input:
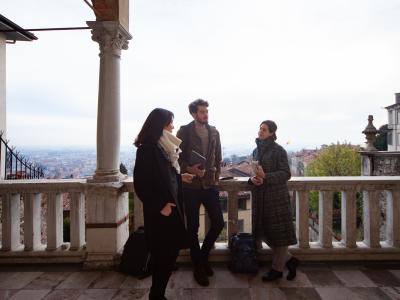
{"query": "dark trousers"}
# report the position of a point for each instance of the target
(210, 199)
(163, 263)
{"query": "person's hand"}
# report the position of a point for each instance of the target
(257, 181)
(167, 209)
(196, 170)
(186, 177)
(260, 172)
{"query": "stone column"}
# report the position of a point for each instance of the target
(112, 38)
(107, 202)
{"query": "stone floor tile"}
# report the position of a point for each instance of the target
(179, 294)
(134, 283)
(96, 294)
(301, 293)
(336, 293)
(392, 292)
(395, 273)
(6, 294)
(18, 280)
(226, 279)
(30, 294)
(370, 294)
(267, 294)
(354, 278)
(109, 280)
(185, 279)
(323, 278)
(48, 280)
(133, 294)
(204, 294)
(78, 280)
(232, 293)
(382, 277)
(301, 280)
(255, 281)
(64, 295)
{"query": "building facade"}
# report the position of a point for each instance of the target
(393, 136)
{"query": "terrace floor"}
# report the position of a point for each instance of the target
(339, 280)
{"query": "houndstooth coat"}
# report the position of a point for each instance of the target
(272, 213)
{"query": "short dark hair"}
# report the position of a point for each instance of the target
(194, 106)
(153, 126)
(272, 127)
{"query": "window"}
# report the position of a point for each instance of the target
(390, 138)
(224, 204)
(398, 117)
(390, 117)
(242, 204)
(240, 225)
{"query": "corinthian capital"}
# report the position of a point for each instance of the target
(110, 35)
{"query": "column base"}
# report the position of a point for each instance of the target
(107, 176)
(101, 261)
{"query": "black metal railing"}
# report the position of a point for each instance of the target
(17, 166)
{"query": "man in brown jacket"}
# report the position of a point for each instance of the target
(204, 139)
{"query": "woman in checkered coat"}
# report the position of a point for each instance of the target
(272, 214)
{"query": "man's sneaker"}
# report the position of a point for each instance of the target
(207, 268)
(272, 275)
(200, 275)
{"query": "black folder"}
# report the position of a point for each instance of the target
(196, 158)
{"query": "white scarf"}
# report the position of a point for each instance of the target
(170, 143)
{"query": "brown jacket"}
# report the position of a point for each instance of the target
(191, 141)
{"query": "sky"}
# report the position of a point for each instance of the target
(317, 68)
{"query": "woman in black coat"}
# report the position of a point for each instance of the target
(272, 214)
(158, 184)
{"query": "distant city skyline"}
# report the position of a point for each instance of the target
(316, 67)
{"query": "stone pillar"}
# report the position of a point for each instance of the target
(2, 100)
(112, 38)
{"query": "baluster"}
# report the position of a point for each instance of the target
(325, 219)
(302, 208)
(349, 218)
(392, 218)
(371, 219)
(11, 221)
(32, 222)
(232, 223)
(77, 217)
(54, 221)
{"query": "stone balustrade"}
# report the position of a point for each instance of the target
(374, 190)
(29, 195)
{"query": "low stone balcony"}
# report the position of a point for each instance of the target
(92, 230)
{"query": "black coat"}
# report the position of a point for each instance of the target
(272, 214)
(154, 187)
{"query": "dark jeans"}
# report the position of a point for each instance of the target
(210, 199)
(163, 263)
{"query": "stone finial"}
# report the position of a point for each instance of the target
(370, 134)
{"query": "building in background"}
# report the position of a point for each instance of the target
(393, 135)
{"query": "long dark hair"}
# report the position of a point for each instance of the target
(153, 126)
(272, 127)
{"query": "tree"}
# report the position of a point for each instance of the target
(336, 160)
(381, 138)
(123, 169)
